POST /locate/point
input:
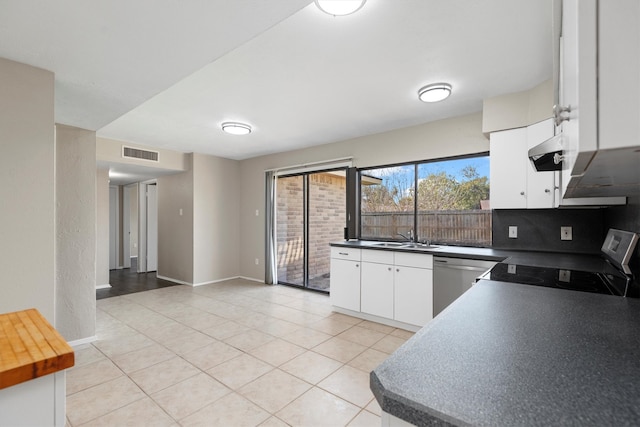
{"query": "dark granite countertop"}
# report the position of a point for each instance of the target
(510, 354)
(582, 262)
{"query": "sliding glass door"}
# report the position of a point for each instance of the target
(311, 213)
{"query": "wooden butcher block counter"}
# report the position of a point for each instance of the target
(30, 348)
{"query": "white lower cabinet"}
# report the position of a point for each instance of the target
(413, 288)
(395, 286)
(345, 278)
(376, 283)
(413, 295)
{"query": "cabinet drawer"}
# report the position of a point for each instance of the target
(345, 253)
(380, 257)
(408, 259)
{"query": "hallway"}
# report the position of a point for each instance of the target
(128, 281)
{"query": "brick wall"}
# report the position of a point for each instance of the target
(327, 211)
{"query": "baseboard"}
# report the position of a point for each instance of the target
(182, 282)
(169, 279)
(106, 286)
(82, 341)
(377, 319)
(215, 281)
(253, 279)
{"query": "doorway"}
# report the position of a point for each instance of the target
(310, 214)
(147, 227)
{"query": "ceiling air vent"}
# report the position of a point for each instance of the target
(136, 153)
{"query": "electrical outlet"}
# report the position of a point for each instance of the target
(257, 261)
(566, 233)
(513, 232)
(564, 276)
(511, 269)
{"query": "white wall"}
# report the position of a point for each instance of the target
(201, 245)
(519, 109)
(75, 232)
(444, 138)
(102, 227)
(27, 189)
(110, 150)
(175, 231)
(216, 224)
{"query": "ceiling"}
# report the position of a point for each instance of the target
(167, 73)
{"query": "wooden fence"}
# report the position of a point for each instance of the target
(469, 227)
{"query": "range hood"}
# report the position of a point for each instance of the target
(547, 156)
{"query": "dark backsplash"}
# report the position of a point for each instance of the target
(539, 229)
(626, 218)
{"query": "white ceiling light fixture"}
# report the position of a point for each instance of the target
(434, 92)
(235, 128)
(339, 7)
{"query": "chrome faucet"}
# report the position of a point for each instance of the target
(411, 237)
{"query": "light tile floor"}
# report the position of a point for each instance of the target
(236, 353)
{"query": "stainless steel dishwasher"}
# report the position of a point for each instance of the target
(452, 277)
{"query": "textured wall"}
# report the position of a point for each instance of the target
(27, 177)
(102, 227)
(75, 232)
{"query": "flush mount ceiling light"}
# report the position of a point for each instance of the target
(434, 92)
(339, 7)
(235, 128)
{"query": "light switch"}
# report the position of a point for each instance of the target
(180, 211)
(566, 233)
(257, 212)
(513, 231)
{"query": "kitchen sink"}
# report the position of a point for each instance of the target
(405, 245)
(419, 246)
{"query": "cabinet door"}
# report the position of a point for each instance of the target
(540, 185)
(376, 286)
(578, 87)
(413, 295)
(508, 169)
(345, 284)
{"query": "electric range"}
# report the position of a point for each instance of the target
(614, 279)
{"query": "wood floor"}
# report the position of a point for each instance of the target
(128, 281)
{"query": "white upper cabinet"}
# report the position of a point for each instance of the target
(515, 184)
(600, 83)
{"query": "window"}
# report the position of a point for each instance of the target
(451, 204)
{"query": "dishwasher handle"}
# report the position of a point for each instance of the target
(445, 264)
(463, 267)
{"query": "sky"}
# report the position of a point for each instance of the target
(450, 167)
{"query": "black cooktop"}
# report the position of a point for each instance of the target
(600, 283)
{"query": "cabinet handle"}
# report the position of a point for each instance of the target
(398, 270)
(357, 265)
(561, 114)
(546, 190)
(343, 253)
(389, 268)
(522, 193)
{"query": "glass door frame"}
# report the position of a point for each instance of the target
(306, 223)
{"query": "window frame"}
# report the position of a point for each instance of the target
(415, 164)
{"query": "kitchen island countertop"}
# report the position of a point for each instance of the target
(510, 354)
(570, 261)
